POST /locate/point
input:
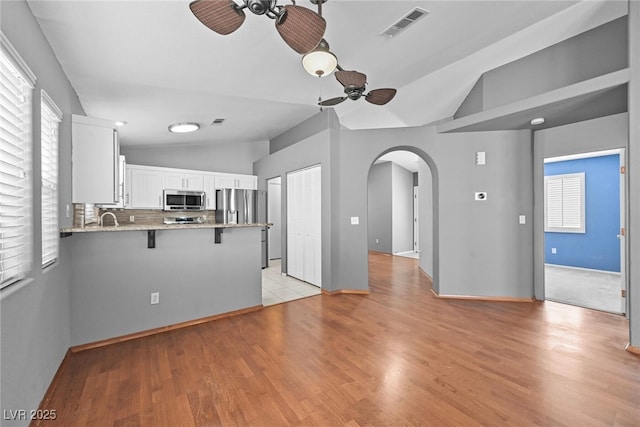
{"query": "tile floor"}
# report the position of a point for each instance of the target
(278, 288)
(599, 290)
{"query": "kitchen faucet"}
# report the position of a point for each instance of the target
(115, 220)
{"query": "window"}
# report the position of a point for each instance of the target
(51, 116)
(16, 87)
(564, 203)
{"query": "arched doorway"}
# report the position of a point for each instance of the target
(402, 207)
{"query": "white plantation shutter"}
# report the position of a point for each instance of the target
(564, 203)
(16, 87)
(51, 116)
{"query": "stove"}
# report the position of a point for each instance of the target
(184, 220)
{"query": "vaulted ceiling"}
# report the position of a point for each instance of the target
(152, 63)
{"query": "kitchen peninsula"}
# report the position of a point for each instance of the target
(115, 273)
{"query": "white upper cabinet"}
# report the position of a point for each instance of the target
(145, 184)
(95, 159)
(183, 181)
(144, 187)
(122, 177)
(210, 191)
(245, 182)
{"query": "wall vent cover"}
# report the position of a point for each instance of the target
(217, 121)
(405, 22)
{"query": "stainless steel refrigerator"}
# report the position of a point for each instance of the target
(235, 206)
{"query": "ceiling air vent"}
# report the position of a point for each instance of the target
(217, 121)
(405, 22)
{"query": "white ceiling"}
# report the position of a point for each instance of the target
(408, 160)
(152, 63)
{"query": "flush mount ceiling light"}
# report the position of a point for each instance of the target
(183, 127)
(320, 61)
(300, 28)
(120, 123)
(537, 121)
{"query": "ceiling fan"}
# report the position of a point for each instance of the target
(354, 87)
(301, 28)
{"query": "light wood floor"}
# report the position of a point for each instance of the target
(396, 357)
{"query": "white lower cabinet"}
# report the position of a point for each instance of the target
(304, 231)
(144, 188)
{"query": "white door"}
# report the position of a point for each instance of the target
(416, 229)
(304, 247)
(274, 216)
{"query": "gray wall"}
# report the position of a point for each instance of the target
(379, 208)
(231, 158)
(402, 205)
(633, 190)
(463, 228)
(35, 325)
(425, 219)
(316, 148)
(114, 274)
(593, 53)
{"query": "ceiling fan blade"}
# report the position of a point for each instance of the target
(221, 16)
(332, 101)
(301, 28)
(351, 78)
(380, 96)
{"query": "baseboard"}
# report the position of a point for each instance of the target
(424, 273)
(162, 329)
(482, 298)
(44, 403)
(632, 349)
(589, 270)
(345, 291)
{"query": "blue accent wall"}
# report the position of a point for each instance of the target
(599, 247)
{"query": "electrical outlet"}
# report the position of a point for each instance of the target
(355, 220)
(68, 211)
(377, 240)
(132, 218)
(155, 297)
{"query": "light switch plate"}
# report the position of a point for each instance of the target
(355, 220)
(481, 158)
(522, 219)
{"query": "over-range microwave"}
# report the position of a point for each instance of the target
(179, 200)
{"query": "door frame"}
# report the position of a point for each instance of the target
(624, 285)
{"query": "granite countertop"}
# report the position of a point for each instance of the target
(147, 227)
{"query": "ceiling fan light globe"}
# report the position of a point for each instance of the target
(319, 62)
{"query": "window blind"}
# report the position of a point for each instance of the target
(51, 116)
(16, 87)
(564, 203)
